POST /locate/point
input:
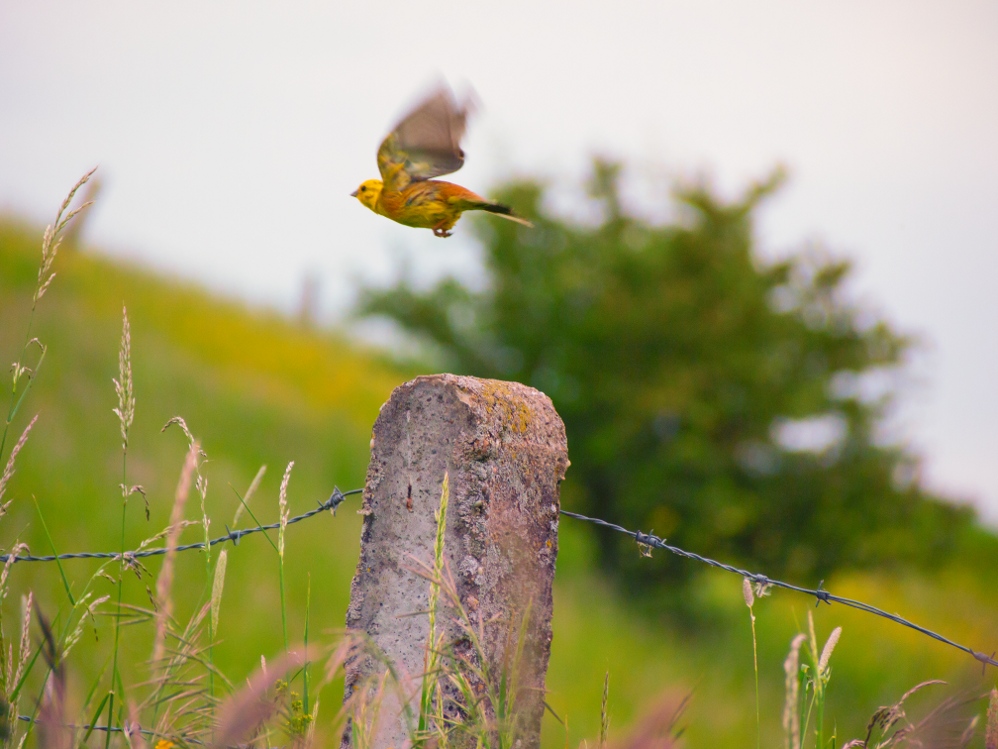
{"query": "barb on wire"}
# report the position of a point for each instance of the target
(820, 595)
(334, 501)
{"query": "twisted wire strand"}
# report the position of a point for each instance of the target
(821, 595)
(334, 501)
(645, 539)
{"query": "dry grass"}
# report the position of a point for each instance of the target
(164, 583)
(948, 724)
(54, 726)
(658, 727)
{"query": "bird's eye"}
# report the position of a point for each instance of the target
(363, 189)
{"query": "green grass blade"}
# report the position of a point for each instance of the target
(258, 523)
(62, 572)
(95, 718)
(308, 603)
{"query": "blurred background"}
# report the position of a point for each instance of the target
(759, 293)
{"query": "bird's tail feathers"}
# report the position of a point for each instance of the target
(504, 211)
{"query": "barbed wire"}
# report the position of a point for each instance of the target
(334, 501)
(644, 539)
(820, 594)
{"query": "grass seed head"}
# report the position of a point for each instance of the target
(51, 241)
(826, 652)
(18, 549)
(254, 485)
(8, 471)
(216, 588)
(123, 385)
(25, 649)
(791, 716)
(282, 501)
(604, 713)
(89, 611)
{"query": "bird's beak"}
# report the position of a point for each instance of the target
(354, 193)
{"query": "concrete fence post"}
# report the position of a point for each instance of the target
(503, 447)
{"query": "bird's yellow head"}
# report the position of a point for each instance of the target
(368, 193)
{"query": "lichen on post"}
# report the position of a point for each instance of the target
(503, 447)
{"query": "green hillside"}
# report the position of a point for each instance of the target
(257, 389)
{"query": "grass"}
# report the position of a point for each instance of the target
(256, 389)
(217, 394)
(314, 402)
(749, 595)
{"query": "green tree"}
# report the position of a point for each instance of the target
(720, 399)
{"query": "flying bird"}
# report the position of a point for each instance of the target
(424, 145)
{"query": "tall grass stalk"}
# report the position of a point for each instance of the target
(164, 583)
(51, 241)
(216, 588)
(308, 605)
(823, 675)
(282, 502)
(278, 548)
(604, 713)
(11, 683)
(814, 677)
(201, 484)
(791, 707)
(991, 730)
(253, 517)
(750, 602)
(14, 679)
(126, 413)
(244, 500)
(815, 685)
(23, 375)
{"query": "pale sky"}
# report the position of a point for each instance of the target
(229, 135)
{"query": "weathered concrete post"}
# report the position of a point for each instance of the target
(504, 448)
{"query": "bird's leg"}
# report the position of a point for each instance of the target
(440, 231)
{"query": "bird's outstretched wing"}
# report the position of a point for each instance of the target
(426, 143)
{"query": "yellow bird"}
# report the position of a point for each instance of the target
(426, 144)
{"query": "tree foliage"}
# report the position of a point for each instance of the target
(722, 400)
